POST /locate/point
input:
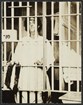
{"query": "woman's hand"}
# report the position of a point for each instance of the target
(9, 63)
(38, 62)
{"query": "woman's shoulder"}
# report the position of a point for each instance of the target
(25, 38)
(40, 37)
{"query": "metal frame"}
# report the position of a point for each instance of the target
(44, 16)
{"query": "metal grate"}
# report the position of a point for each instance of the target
(61, 26)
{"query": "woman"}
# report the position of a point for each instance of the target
(29, 54)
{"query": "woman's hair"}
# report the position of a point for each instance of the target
(39, 24)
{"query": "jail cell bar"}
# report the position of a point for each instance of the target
(61, 34)
(78, 39)
(68, 14)
(4, 44)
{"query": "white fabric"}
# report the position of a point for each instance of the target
(33, 50)
(71, 59)
(27, 53)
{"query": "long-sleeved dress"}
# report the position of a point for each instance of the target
(27, 53)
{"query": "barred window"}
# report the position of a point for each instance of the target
(57, 22)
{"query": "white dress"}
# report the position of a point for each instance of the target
(27, 53)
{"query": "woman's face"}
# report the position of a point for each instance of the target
(32, 25)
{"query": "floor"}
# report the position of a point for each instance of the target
(8, 97)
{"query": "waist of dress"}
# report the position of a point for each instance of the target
(31, 65)
(38, 66)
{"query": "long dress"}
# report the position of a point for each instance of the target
(27, 53)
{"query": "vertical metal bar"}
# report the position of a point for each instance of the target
(77, 39)
(69, 23)
(2, 77)
(44, 44)
(77, 79)
(28, 10)
(36, 19)
(60, 44)
(2, 9)
(4, 60)
(36, 34)
(69, 37)
(4, 42)
(4, 15)
(52, 38)
(20, 3)
(12, 50)
(2, 23)
(2, 71)
(28, 19)
(2, 52)
(77, 85)
(20, 24)
(69, 85)
(18, 97)
(77, 27)
(20, 27)
(12, 14)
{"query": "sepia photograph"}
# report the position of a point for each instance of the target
(41, 52)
